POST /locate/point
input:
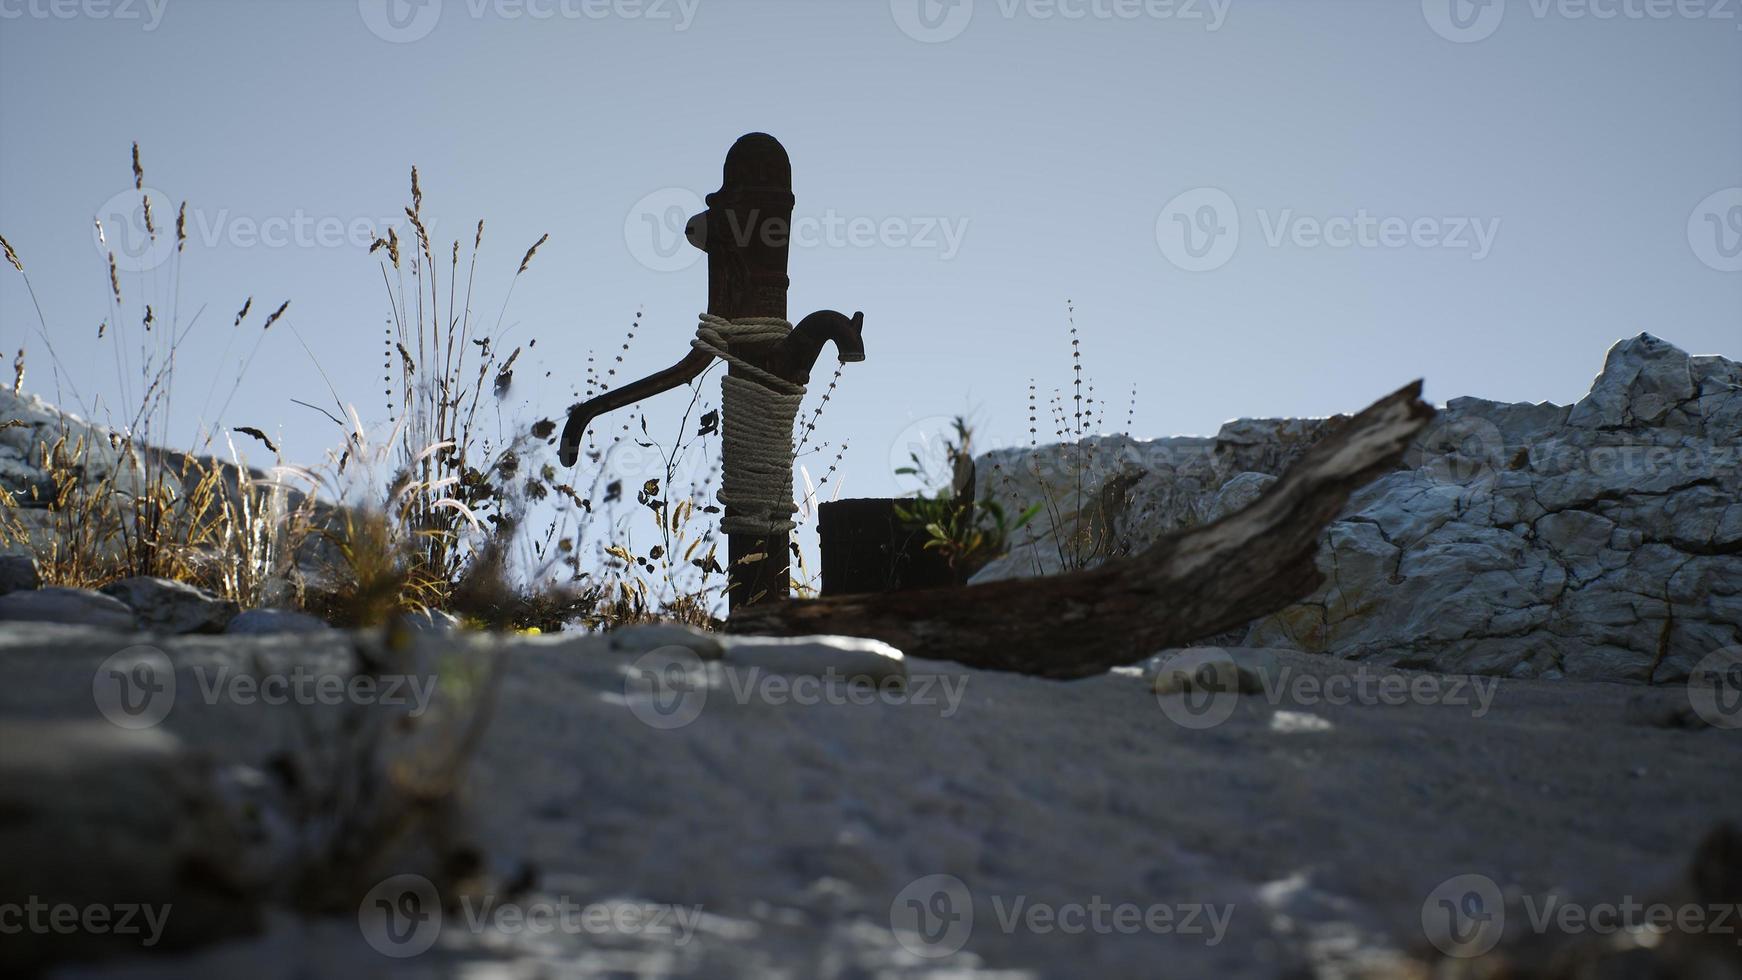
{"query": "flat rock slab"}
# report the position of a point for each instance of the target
(71, 607)
(172, 607)
(1302, 832)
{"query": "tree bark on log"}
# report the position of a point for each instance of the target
(1186, 586)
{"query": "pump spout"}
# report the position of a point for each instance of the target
(798, 353)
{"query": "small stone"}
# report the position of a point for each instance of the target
(18, 574)
(256, 622)
(852, 657)
(651, 636)
(432, 621)
(1296, 722)
(71, 607)
(1668, 710)
(172, 607)
(1213, 670)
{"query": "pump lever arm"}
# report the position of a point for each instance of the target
(582, 415)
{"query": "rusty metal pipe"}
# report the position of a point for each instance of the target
(798, 353)
(582, 415)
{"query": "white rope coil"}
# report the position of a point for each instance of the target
(758, 410)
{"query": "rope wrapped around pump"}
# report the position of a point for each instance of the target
(758, 410)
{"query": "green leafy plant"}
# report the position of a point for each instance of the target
(965, 533)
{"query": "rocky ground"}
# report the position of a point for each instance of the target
(705, 817)
(1530, 708)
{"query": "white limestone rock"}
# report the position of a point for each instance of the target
(850, 657)
(1599, 540)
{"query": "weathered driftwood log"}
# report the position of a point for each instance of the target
(1184, 587)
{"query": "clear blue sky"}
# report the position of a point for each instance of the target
(1520, 185)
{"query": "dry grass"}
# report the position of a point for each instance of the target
(114, 503)
(449, 505)
(1078, 515)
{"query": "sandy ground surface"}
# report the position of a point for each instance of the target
(981, 824)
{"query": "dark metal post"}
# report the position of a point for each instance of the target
(746, 232)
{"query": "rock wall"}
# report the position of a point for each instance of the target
(1599, 540)
(31, 430)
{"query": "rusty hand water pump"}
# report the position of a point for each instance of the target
(746, 232)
